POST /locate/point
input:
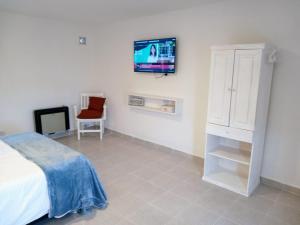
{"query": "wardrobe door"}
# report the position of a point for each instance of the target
(245, 88)
(220, 87)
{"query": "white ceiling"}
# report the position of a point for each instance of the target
(96, 11)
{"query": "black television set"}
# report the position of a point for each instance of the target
(155, 56)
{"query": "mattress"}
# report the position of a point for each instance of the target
(23, 188)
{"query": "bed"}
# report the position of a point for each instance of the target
(39, 176)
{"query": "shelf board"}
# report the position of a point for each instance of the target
(233, 154)
(152, 109)
(228, 180)
(155, 103)
(175, 99)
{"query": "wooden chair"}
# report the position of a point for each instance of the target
(84, 103)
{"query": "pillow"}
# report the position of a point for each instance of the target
(96, 103)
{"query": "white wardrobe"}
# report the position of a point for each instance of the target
(239, 92)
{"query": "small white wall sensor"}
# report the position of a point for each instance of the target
(82, 40)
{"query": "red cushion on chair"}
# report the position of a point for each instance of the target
(96, 103)
(90, 114)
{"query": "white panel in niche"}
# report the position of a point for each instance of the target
(52, 123)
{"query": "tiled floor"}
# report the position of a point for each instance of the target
(151, 185)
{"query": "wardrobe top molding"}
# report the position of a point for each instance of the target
(243, 46)
(269, 49)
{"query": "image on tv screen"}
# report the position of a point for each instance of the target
(155, 56)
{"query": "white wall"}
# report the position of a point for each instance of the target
(197, 29)
(41, 65)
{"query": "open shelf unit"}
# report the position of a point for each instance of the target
(154, 103)
(228, 163)
(233, 154)
(229, 180)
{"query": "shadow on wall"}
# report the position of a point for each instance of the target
(201, 89)
(283, 130)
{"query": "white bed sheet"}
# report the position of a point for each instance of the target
(23, 188)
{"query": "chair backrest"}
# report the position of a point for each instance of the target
(84, 99)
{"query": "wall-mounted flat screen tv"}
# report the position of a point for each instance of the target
(155, 56)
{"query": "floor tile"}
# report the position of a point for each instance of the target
(180, 172)
(289, 200)
(243, 215)
(256, 202)
(170, 204)
(189, 192)
(127, 205)
(149, 184)
(148, 191)
(147, 172)
(124, 222)
(224, 221)
(149, 215)
(267, 192)
(285, 213)
(196, 215)
(194, 165)
(269, 220)
(165, 181)
(217, 201)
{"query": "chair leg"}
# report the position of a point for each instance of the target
(101, 129)
(78, 130)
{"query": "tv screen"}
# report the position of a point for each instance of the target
(155, 56)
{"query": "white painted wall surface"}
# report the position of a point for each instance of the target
(41, 66)
(197, 29)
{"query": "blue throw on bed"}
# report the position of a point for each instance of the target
(72, 181)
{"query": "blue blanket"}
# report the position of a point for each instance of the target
(73, 184)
